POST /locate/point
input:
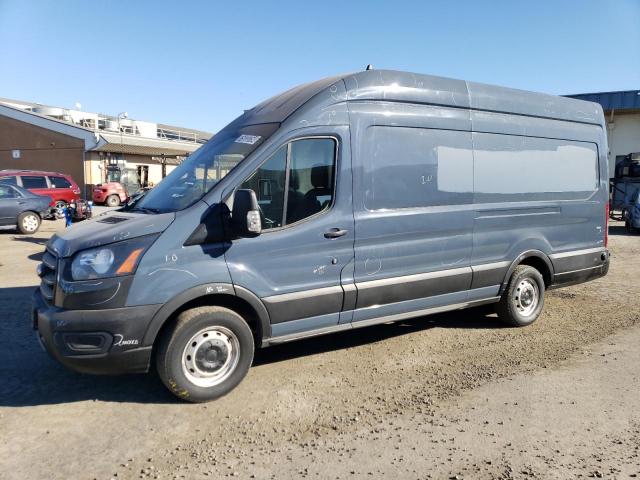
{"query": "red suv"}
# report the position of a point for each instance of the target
(59, 186)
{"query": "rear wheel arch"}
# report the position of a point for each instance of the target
(243, 302)
(536, 259)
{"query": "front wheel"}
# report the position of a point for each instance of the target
(522, 301)
(205, 354)
(28, 222)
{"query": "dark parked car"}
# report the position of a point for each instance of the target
(22, 208)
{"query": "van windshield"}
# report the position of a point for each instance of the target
(200, 172)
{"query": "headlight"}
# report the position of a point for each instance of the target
(112, 260)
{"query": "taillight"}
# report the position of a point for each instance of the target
(606, 224)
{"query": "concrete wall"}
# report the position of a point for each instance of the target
(624, 136)
(40, 149)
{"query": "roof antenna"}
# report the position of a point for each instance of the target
(369, 67)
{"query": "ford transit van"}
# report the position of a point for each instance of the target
(351, 201)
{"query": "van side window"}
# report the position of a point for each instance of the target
(296, 182)
(416, 167)
(532, 168)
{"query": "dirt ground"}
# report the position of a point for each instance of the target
(448, 396)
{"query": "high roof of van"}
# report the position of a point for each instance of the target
(395, 86)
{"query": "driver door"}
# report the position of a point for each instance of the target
(297, 263)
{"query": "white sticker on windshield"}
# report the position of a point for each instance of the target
(248, 139)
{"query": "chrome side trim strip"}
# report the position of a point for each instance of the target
(383, 282)
(577, 271)
(310, 333)
(491, 266)
(574, 253)
(301, 295)
(350, 287)
(378, 320)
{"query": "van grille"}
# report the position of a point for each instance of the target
(48, 277)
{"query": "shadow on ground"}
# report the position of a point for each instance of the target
(31, 377)
(36, 240)
(621, 230)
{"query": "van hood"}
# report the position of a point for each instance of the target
(107, 228)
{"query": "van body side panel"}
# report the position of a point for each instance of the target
(412, 203)
(169, 268)
(461, 298)
(536, 187)
(532, 104)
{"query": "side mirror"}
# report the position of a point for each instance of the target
(245, 216)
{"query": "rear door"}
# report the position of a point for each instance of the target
(296, 265)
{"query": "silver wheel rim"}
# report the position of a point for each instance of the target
(210, 356)
(526, 297)
(59, 206)
(30, 223)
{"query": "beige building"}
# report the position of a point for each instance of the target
(622, 114)
(92, 148)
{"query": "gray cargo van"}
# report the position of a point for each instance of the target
(347, 202)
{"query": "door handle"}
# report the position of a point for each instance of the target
(335, 233)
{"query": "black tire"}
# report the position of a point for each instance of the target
(173, 348)
(113, 201)
(514, 309)
(29, 222)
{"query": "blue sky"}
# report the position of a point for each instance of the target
(199, 64)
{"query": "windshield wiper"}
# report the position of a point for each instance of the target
(145, 210)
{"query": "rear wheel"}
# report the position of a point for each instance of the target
(113, 201)
(59, 206)
(205, 354)
(522, 301)
(28, 222)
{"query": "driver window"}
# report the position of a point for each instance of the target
(269, 184)
(312, 163)
(306, 190)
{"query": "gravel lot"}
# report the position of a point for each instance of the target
(448, 396)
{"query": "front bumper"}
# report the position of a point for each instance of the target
(95, 341)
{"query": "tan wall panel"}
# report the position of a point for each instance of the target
(64, 161)
(40, 149)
